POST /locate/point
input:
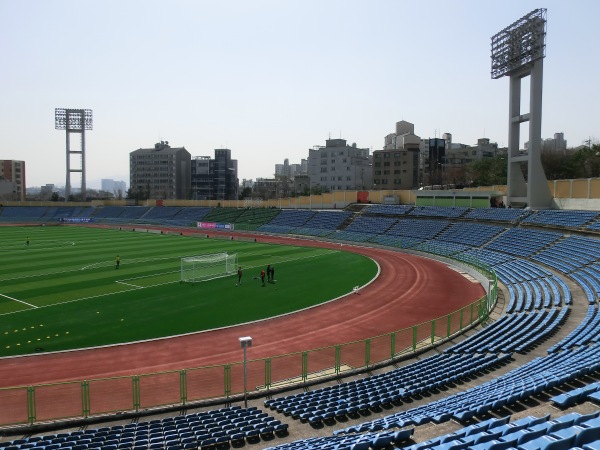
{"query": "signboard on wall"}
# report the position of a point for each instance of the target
(216, 226)
(362, 197)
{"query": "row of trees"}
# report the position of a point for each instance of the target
(91, 194)
(583, 162)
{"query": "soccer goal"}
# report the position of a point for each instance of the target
(205, 267)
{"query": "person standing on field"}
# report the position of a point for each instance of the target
(269, 273)
(262, 277)
(240, 273)
(27, 241)
(117, 262)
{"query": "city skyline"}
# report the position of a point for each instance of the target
(269, 80)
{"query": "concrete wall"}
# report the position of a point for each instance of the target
(583, 194)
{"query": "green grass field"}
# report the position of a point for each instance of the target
(62, 291)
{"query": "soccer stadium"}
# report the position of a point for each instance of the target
(343, 319)
(383, 326)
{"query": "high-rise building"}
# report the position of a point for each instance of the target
(12, 172)
(46, 191)
(117, 188)
(396, 169)
(290, 170)
(215, 178)
(296, 169)
(339, 166)
(560, 143)
(556, 144)
(434, 164)
(286, 167)
(161, 172)
(397, 165)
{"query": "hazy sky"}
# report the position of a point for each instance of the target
(269, 79)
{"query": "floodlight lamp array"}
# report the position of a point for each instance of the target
(78, 119)
(519, 44)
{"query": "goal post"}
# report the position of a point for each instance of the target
(205, 267)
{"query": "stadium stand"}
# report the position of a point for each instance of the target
(452, 212)
(518, 384)
(327, 220)
(252, 218)
(134, 212)
(523, 242)
(363, 441)
(365, 394)
(59, 212)
(223, 215)
(526, 330)
(354, 236)
(388, 210)
(561, 218)
(594, 226)
(396, 241)
(287, 220)
(192, 214)
(567, 431)
(421, 229)
(573, 396)
(226, 426)
(441, 248)
(162, 213)
(371, 225)
(490, 257)
(497, 214)
(15, 213)
(109, 212)
(470, 233)
(323, 223)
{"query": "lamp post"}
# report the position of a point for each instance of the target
(245, 342)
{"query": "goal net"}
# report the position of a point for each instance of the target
(205, 267)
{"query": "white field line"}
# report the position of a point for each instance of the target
(129, 261)
(75, 300)
(99, 264)
(129, 284)
(20, 301)
(46, 246)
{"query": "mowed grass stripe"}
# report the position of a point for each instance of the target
(143, 264)
(61, 287)
(101, 305)
(77, 256)
(61, 263)
(83, 254)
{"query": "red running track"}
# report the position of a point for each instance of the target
(409, 290)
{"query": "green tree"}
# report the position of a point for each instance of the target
(580, 163)
(246, 193)
(487, 171)
(557, 166)
(318, 190)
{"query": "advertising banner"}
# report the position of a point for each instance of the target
(216, 226)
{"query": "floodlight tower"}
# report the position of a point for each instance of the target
(245, 342)
(74, 121)
(518, 51)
